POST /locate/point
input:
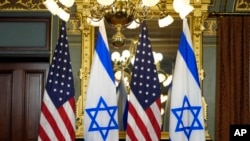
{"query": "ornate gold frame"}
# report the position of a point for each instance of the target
(197, 17)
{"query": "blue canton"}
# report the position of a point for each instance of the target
(60, 84)
(97, 126)
(144, 82)
(195, 124)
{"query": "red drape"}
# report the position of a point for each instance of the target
(232, 98)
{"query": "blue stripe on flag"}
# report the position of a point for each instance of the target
(103, 52)
(188, 55)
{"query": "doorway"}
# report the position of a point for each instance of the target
(21, 91)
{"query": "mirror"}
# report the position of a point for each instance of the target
(163, 40)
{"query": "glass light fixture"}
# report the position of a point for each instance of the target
(168, 81)
(115, 56)
(63, 14)
(105, 2)
(132, 61)
(67, 3)
(118, 74)
(150, 2)
(157, 57)
(51, 6)
(164, 18)
(182, 7)
(134, 24)
(185, 10)
(54, 8)
(165, 21)
(126, 54)
(161, 77)
(176, 5)
(164, 98)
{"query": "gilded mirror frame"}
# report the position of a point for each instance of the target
(197, 18)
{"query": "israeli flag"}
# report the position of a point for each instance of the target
(186, 114)
(122, 103)
(100, 117)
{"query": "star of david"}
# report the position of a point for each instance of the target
(96, 125)
(181, 125)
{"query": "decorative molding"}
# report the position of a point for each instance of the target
(19, 5)
(87, 37)
(73, 26)
(198, 18)
(242, 6)
(210, 27)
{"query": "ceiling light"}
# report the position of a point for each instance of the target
(185, 10)
(134, 24)
(150, 3)
(51, 6)
(67, 3)
(161, 77)
(125, 14)
(63, 14)
(105, 2)
(165, 21)
(115, 56)
(168, 81)
(182, 7)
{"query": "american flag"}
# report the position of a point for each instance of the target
(57, 120)
(144, 117)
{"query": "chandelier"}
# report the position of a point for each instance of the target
(124, 61)
(128, 14)
(123, 13)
